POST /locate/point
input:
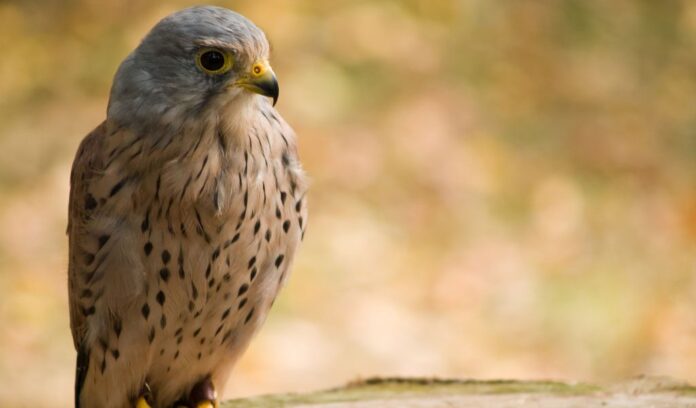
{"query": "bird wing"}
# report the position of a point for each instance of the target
(84, 170)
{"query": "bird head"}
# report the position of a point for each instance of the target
(192, 62)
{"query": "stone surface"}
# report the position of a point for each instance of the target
(655, 392)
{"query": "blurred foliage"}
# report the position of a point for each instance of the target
(500, 188)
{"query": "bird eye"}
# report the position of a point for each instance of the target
(213, 61)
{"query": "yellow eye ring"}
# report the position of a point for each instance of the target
(214, 61)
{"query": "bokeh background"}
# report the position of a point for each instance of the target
(500, 188)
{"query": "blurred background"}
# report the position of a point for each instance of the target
(500, 189)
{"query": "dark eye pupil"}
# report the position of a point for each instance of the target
(212, 60)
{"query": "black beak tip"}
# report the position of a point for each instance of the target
(275, 91)
(270, 89)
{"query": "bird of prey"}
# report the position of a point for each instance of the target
(187, 205)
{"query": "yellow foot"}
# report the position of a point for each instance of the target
(142, 403)
(206, 404)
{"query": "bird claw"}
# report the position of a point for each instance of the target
(145, 397)
(203, 395)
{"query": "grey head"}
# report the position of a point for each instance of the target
(193, 61)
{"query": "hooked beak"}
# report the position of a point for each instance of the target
(260, 80)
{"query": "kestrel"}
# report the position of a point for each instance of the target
(187, 205)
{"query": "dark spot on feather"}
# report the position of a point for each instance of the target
(183, 191)
(146, 223)
(231, 241)
(117, 326)
(89, 311)
(183, 230)
(205, 161)
(164, 274)
(180, 261)
(279, 260)
(90, 202)
(221, 141)
(103, 240)
(157, 187)
(161, 298)
(115, 189)
(249, 315)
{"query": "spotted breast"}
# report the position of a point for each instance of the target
(180, 242)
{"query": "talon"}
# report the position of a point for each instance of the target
(203, 395)
(145, 397)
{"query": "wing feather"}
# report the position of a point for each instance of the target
(86, 165)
